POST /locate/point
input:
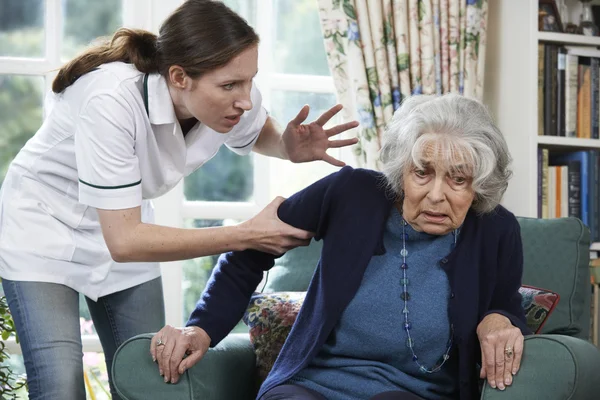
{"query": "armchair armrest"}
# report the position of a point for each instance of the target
(554, 367)
(226, 371)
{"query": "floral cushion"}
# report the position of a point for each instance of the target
(538, 304)
(270, 318)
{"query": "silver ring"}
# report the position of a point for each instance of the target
(509, 352)
(159, 342)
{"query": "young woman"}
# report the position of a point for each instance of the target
(128, 120)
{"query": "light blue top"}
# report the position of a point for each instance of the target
(366, 353)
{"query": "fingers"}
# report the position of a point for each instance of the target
(490, 368)
(336, 130)
(342, 143)
(187, 362)
(181, 347)
(498, 377)
(518, 350)
(482, 372)
(327, 115)
(164, 357)
(509, 359)
(301, 117)
(333, 161)
(153, 345)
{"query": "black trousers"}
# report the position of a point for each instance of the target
(297, 392)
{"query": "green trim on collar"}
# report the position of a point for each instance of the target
(111, 187)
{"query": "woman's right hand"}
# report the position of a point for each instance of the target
(269, 234)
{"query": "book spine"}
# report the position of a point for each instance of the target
(560, 91)
(571, 95)
(574, 172)
(545, 190)
(584, 99)
(594, 94)
(547, 89)
(540, 96)
(564, 191)
(554, 92)
(540, 166)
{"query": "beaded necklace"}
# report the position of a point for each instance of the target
(405, 296)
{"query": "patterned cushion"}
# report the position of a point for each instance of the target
(538, 304)
(270, 318)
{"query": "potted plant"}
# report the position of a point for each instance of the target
(10, 384)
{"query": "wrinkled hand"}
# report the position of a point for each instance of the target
(497, 337)
(309, 142)
(269, 234)
(174, 345)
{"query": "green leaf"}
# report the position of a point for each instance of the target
(403, 61)
(336, 4)
(5, 335)
(349, 10)
(372, 79)
(338, 44)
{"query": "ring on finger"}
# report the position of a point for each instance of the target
(508, 352)
(159, 342)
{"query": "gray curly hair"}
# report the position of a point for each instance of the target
(459, 130)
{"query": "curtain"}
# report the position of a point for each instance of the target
(381, 51)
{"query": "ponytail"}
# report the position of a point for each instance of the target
(134, 46)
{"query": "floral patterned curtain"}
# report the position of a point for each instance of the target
(380, 51)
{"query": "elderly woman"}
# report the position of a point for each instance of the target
(418, 278)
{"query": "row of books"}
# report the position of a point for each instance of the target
(569, 186)
(568, 91)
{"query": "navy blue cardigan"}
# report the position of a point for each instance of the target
(348, 210)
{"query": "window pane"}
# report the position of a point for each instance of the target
(22, 28)
(86, 20)
(226, 177)
(299, 47)
(197, 271)
(20, 112)
(285, 104)
(245, 8)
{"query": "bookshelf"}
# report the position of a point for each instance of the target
(511, 93)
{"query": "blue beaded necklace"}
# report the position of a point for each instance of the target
(405, 296)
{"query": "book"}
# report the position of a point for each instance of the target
(561, 63)
(571, 70)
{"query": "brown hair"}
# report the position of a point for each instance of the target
(199, 36)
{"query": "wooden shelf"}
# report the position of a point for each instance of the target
(569, 38)
(569, 142)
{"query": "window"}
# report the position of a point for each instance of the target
(293, 72)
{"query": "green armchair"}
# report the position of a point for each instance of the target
(558, 364)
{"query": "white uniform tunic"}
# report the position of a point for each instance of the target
(99, 147)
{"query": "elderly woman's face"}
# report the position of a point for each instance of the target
(437, 198)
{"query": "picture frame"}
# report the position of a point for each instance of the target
(549, 17)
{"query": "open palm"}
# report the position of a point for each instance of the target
(309, 142)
